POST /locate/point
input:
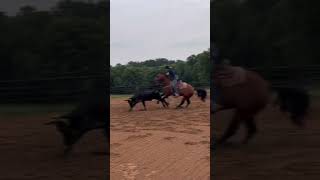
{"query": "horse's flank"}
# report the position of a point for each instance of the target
(186, 89)
(253, 89)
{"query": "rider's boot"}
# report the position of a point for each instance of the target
(175, 93)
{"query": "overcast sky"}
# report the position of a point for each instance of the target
(149, 29)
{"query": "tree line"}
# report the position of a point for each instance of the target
(267, 33)
(195, 70)
(70, 37)
(68, 41)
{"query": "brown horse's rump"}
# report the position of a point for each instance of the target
(244, 92)
(185, 89)
(248, 93)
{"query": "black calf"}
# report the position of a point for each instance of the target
(146, 96)
(91, 114)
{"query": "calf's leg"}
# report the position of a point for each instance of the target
(144, 105)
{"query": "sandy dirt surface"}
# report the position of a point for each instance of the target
(160, 143)
(279, 151)
(30, 150)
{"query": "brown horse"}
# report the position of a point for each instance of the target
(249, 94)
(185, 89)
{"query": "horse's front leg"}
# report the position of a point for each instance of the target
(164, 100)
(231, 130)
(188, 102)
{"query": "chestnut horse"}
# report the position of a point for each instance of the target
(250, 96)
(185, 90)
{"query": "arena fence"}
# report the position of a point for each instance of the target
(50, 89)
(132, 89)
(72, 86)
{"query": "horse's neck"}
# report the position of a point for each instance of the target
(166, 82)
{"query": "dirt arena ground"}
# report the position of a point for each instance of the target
(160, 143)
(279, 151)
(30, 150)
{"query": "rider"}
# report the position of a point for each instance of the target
(174, 79)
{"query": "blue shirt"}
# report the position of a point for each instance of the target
(172, 74)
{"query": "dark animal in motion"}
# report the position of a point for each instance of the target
(146, 95)
(89, 115)
(202, 94)
(293, 100)
(186, 92)
(252, 96)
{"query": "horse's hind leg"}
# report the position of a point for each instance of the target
(252, 129)
(231, 130)
(182, 102)
(188, 102)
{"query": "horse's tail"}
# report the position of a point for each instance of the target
(202, 94)
(294, 101)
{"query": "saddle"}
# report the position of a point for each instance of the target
(230, 76)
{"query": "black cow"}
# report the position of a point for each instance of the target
(146, 95)
(90, 114)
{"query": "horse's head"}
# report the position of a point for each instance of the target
(161, 78)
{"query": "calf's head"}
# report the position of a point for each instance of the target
(132, 102)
